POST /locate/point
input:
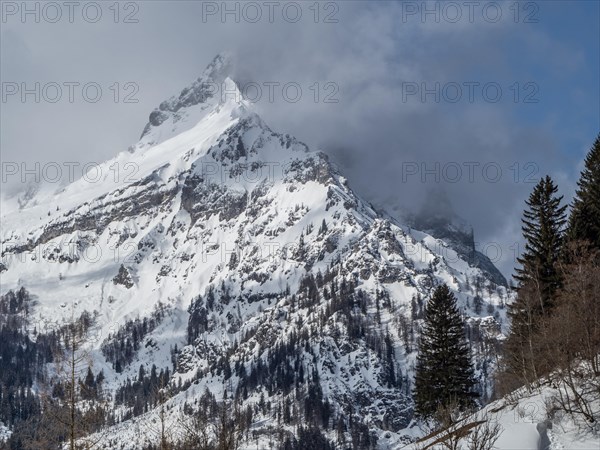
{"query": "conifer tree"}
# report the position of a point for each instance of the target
(444, 372)
(584, 221)
(543, 225)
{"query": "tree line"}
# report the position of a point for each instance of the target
(555, 331)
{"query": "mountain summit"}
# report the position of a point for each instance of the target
(201, 97)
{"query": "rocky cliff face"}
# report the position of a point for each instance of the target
(276, 283)
(437, 218)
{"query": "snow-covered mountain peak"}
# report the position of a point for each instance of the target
(245, 240)
(208, 94)
(210, 171)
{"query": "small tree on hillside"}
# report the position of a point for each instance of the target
(444, 373)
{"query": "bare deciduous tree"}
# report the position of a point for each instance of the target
(485, 435)
(571, 339)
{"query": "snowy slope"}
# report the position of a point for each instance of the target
(526, 422)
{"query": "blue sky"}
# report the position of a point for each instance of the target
(570, 97)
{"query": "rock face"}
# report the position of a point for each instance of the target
(438, 219)
(123, 278)
(277, 280)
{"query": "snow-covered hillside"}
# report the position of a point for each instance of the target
(256, 252)
(528, 420)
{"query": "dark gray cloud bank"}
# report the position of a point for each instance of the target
(483, 148)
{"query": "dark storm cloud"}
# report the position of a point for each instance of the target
(379, 131)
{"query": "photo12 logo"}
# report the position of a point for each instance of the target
(468, 171)
(469, 92)
(270, 12)
(275, 91)
(70, 12)
(69, 91)
(54, 172)
(469, 11)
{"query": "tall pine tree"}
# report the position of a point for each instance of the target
(444, 373)
(584, 221)
(543, 226)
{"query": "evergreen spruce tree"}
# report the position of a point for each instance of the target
(444, 372)
(543, 226)
(584, 221)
